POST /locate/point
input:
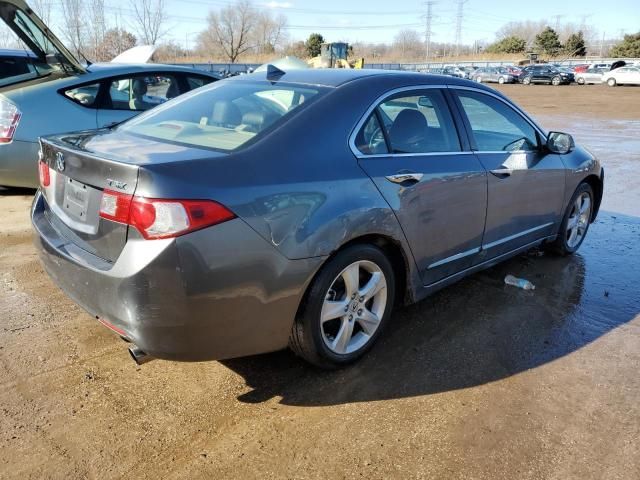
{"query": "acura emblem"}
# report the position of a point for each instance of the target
(60, 162)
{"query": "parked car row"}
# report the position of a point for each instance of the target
(617, 73)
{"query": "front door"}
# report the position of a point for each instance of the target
(410, 148)
(525, 183)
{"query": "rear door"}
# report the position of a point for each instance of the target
(409, 146)
(525, 183)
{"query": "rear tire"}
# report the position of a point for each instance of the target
(345, 309)
(479, 79)
(576, 221)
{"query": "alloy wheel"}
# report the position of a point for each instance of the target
(353, 307)
(578, 220)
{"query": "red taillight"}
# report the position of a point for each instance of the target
(45, 176)
(161, 218)
(9, 119)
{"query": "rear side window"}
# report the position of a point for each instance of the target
(495, 125)
(85, 95)
(223, 116)
(419, 122)
(370, 139)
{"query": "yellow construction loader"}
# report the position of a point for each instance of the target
(334, 55)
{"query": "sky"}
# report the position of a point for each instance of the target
(376, 21)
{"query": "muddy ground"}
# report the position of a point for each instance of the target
(481, 380)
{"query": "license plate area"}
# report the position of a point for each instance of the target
(76, 199)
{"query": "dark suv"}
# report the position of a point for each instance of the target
(545, 74)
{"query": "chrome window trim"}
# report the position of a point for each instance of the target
(508, 104)
(452, 258)
(372, 107)
(500, 241)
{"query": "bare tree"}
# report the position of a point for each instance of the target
(230, 29)
(42, 9)
(149, 18)
(97, 27)
(114, 42)
(407, 43)
(74, 24)
(269, 32)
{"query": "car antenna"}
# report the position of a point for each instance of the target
(274, 73)
(89, 62)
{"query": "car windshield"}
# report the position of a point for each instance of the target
(224, 116)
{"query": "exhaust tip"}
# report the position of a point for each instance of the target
(138, 355)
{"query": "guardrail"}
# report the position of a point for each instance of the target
(412, 67)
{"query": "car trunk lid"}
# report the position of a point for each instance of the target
(77, 179)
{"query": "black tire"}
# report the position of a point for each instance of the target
(560, 245)
(307, 337)
(555, 81)
(527, 81)
(580, 81)
(612, 82)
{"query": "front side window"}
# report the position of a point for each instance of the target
(222, 116)
(495, 125)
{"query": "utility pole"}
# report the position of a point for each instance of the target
(427, 27)
(602, 44)
(459, 18)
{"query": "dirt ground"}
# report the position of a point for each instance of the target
(480, 381)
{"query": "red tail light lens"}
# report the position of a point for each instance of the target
(160, 218)
(9, 119)
(45, 175)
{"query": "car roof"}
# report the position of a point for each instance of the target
(9, 52)
(334, 77)
(126, 68)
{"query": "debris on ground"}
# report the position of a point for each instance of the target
(519, 282)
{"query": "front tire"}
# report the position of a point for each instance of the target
(612, 82)
(501, 80)
(580, 81)
(576, 221)
(526, 81)
(555, 81)
(345, 309)
(479, 79)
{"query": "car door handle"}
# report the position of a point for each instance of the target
(405, 177)
(501, 172)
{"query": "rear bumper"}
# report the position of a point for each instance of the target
(19, 164)
(217, 293)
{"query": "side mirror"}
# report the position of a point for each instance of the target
(558, 142)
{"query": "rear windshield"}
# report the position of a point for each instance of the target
(223, 116)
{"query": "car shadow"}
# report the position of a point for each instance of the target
(477, 331)
(16, 191)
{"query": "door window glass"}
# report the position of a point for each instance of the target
(197, 82)
(496, 126)
(142, 92)
(419, 122)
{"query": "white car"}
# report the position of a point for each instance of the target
(626, 75)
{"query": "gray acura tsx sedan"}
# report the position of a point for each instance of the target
(297, 208)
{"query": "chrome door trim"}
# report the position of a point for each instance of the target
(514, 236)
(455, 257)
(372, 107)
